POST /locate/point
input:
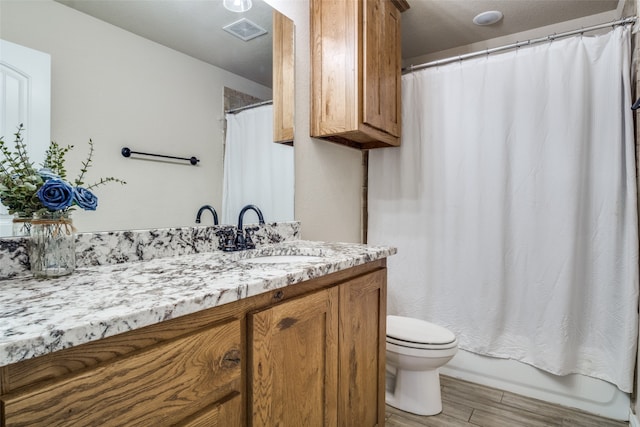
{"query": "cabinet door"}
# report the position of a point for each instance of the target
(334, 67)
(382, 80)
(362, 350)
(293, 350)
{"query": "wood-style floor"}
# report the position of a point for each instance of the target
(466, 404)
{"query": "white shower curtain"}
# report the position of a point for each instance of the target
(256, 170)
(512, 202)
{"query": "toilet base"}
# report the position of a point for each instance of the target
(417, 392)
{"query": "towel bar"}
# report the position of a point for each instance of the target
(126, 152)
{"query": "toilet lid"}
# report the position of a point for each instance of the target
(417, 331)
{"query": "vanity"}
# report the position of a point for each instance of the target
(291, 333)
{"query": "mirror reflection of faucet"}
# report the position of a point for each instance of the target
(210, 209)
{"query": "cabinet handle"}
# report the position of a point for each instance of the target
(278, 295)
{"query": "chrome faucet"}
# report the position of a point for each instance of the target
(210, 209)
(244, 242)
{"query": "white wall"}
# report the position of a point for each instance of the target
(120, 89)
(328, 176)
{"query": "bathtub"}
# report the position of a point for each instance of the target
(576, 391)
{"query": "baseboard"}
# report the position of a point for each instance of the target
(633, 419)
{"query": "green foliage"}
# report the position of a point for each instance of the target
(103, 181)
(54, 159)
(20, 180)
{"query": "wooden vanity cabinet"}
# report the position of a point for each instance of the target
(356, 72)
(308, 354)
(319, 360)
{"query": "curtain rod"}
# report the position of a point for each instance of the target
(624, 21)
(248, 107)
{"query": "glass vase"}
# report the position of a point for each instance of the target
(52, 248)
(21, 224)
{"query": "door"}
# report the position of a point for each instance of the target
(25, 97)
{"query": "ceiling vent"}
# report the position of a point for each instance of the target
(245, 29)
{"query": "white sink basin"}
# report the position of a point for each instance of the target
(282, 259)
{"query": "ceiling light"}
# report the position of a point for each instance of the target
(237, 5)
(488, 18)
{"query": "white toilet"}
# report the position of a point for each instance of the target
(415, 351)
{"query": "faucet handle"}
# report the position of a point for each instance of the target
(240, 241)
(229, 244)
(248, 242)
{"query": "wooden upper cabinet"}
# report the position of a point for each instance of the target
(356, 72)
(283, 78)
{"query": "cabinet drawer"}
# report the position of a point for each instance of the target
(156, 386)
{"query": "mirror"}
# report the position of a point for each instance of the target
(121, 89)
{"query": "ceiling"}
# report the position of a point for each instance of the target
(194, 27)
(434, 25)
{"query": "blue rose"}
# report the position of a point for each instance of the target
(47, 174)
(56, 194)
(85, 199)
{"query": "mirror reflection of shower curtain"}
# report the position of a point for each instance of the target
(256, 170)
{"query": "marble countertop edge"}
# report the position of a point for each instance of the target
(38, 317)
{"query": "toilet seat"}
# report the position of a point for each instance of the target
(419, 334)
(421, 346)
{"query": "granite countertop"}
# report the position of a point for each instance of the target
(42, 316)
